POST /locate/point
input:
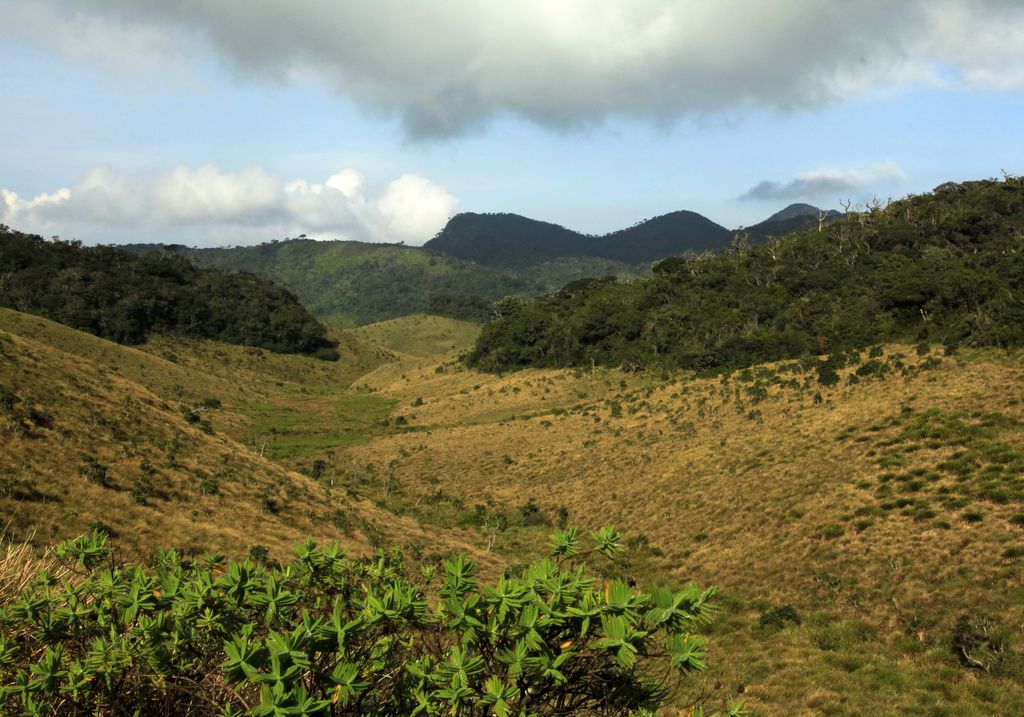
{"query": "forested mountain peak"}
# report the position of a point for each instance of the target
(799, 209)
(513, 240)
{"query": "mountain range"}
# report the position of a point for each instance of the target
(510, 240)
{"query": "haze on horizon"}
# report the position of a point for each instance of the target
(230, 122)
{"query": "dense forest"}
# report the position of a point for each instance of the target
(943, 267)
(125, 297)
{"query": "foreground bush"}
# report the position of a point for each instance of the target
(328, 635)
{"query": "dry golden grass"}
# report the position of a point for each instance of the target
(20, 564)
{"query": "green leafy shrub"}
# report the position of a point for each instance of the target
(326, 635)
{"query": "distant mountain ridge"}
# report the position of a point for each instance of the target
(513, 241)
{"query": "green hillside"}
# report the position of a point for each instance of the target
(943, 267)
(354, 283)
(865, 536)
(192, 444)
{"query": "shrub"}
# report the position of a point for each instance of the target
(142, 489)
(318, 468)
(1014, 552)
(268, 503)
(340, 520)
(830, 532)
(977, 642)
(873, 367)
(259, 554)
(827, 375)
(778, 617)
(532, 515)
(7, 400)
(94, 471)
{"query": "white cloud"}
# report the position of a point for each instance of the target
(214, 206)
(448, 65)
(411, 202)
(831, 182)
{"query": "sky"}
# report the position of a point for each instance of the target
(224, 122)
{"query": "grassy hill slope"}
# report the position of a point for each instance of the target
(866, 536)
(420, 334)
(172, 444)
